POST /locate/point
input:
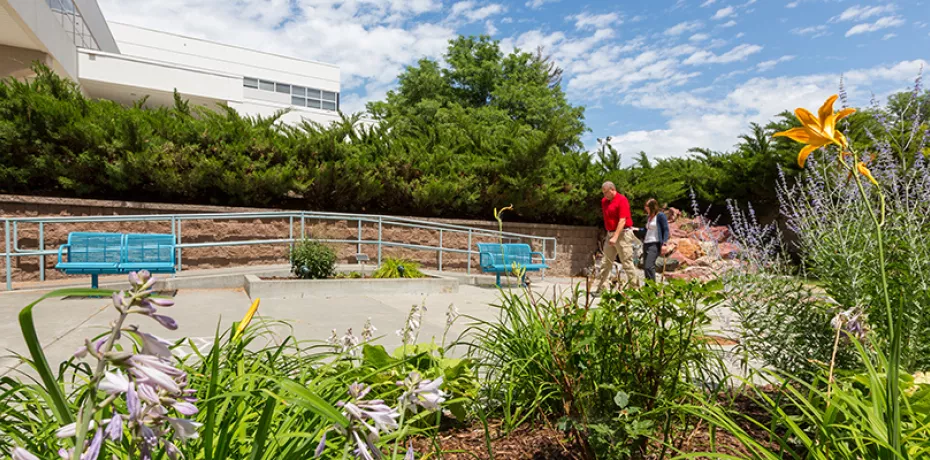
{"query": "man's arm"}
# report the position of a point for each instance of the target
(620, 224)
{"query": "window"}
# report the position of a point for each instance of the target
(300, 96)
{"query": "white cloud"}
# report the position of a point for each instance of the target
(596, 21)
(699, 37)
(740, 35)
(859, 13)
(883, 23)
(708, 3)
(815, 31)
(683, 27)
(738, 53)
(724, 13)
(889, 36)
(715, 123)
(536, 4)
(729, 23)
(489, 28)
(792, 4)
(765, 66)
(473, 12)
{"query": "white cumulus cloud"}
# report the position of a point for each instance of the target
(683, 27)
(883, 23)
(596, 21)
(724, 13)
(536, 4)
(861, 13)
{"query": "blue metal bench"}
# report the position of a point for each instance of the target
(501, 258)
(89, 253)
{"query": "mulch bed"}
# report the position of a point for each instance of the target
(540, 442)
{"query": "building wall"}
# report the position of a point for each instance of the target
(576, 244)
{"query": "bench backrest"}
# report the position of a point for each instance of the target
(505, 254)
(94, 247)
(149, 247)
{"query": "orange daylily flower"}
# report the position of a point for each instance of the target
(817, 131)
(861, 167)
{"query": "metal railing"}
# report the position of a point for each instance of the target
(546, 245)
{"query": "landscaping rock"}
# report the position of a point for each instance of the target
(703, 274)
(689, 248)
(673, 214)
(728, 251)
(669, 247)
(682, 260)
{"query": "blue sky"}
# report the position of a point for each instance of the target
(660, 76)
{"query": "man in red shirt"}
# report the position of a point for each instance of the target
(619, 225)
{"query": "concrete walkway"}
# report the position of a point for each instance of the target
(63, 324)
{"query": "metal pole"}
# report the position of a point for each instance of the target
(179, 249)
(440, 249)
(359, 237)
(9, 274)
(469, 253)
(303, 233)
(290, 232)
(42, 248)
(379, 241)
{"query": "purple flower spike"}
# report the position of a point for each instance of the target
(134, 279)
(411, 455)
(133, 404)
(186, 408)
(119, 300)
(22, 454)
(161, 302)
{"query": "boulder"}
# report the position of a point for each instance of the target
(669, 247)
(673, 214)
(705, 261)
(666, 264)
(689, 248)
(727, 251)
(719, 234)
(682, 260)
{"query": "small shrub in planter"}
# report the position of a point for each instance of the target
(398, 268)
(313, 260)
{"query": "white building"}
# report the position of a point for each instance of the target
(125, 63)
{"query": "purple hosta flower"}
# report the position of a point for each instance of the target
(851, 321)
(153, 345)
(368, 332)
(452, 314)
(97, 345)
(421, 393)
(334, 340)
(321, 446)
(93, 451)
(142, 280)
(411, 329)
(349, 341)
(371, 416)
(115, 428)
(22, 454)
(411, 455)
(184, 429)
(114, 383)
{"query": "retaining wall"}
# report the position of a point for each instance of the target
(576, 245)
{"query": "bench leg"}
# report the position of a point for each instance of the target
(498, 279)
(94, 284)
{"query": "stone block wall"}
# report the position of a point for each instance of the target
(576, 245)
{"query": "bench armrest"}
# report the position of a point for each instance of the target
(541, 256)
(61, 251)
(485, 259)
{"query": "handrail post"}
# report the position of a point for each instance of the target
(180, 251)
(42, 249)
(468, 270)
(290, 232)
(440, 249)
(380, 226)
(303, 233)
(359, 251)
(9, 274)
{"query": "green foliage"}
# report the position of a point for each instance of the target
(606, 374)
(313, 260)
(398, 268)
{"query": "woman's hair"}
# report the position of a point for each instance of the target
(653, 206)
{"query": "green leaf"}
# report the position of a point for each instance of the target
(621, 399)
(264, 426)
(312, 401)
(376, 356)
(61, 407)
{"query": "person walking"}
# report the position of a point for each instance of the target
(619, 226)
(656, 235)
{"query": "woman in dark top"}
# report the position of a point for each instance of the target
(656, 236)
